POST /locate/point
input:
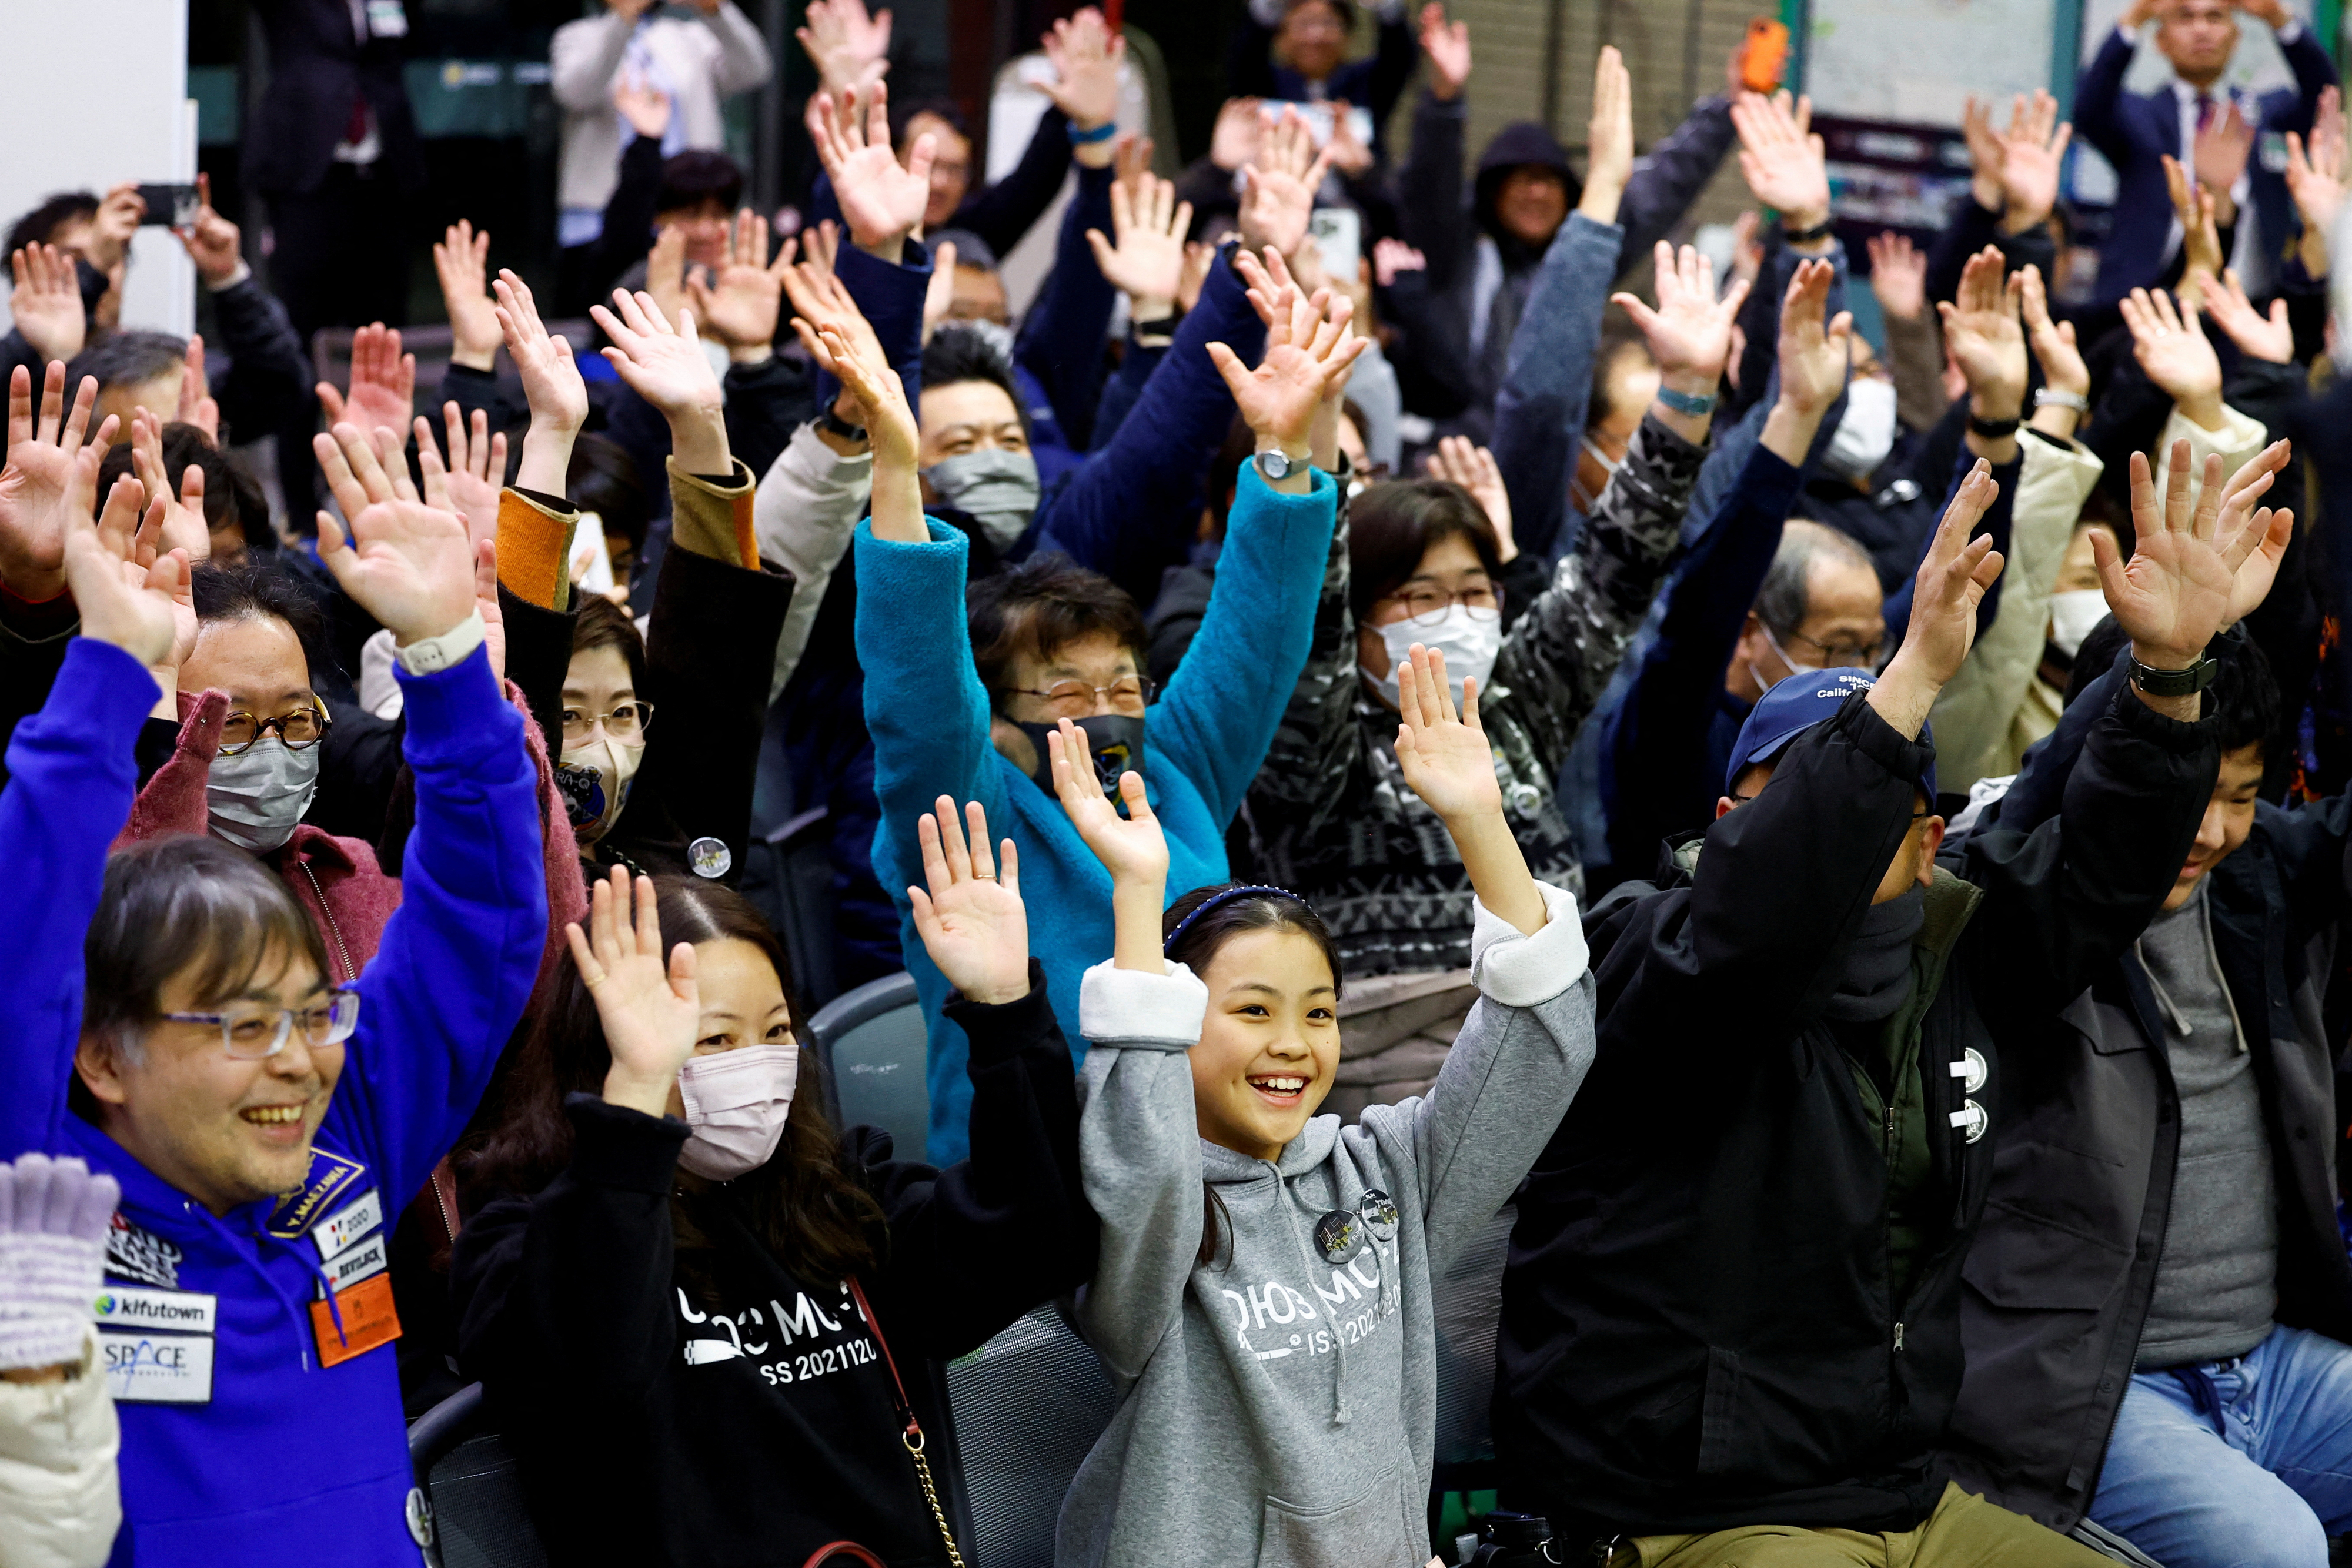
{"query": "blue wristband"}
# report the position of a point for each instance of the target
(1690, 404)
(1103, 132)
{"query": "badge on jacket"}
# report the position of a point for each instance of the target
(329, 1178)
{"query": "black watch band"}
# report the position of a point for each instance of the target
(832, 423)
(1160, 327)
(2185, 683)
(1820, 231)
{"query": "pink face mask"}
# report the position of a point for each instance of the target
(735, 1101)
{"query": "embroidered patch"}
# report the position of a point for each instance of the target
(158, 1369)
(356, 1263)
(181, 1311)
(328, 1177)
(348, 1223)
(141, 1255)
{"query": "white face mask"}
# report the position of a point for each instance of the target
(1795, 668)
(736, 1102)
(594, 780)
(1470, 639)
(1866, 435)
(2073, 614)
(255, 799)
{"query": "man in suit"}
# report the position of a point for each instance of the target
(2240, 157)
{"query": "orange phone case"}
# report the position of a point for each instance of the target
(1764, 54)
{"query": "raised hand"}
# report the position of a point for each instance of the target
(47, 304)
(1278, 187)
(1953, 578)
(1443, 755)
(1983, 333)
(2033, 151)
(820, 299)
(1350, 155)
(1446, 47)
(2269, 338)
(182, 512)
(1898, 277)
(971, 919)
(408, 564)
(550, 386)
(2052, 343)
(1132, 848)
(198, 406)
(848, 48)
(650, 1010)
(1987, 152)
(1086, 56)
(2315, 176)
(867, 380)
(1781, 160)
(460, 260)
(2270, 531)
(212, 242)
(1239, 134)
(665, 365)
(55, 1217)
(384, 384)
(741, 304)
(2220, 154)
(121, 601)
(665, 272)
(44, 457)
(2172, 348)
(2179, 587)
(1610, 136)
(2194, 207)
(1458, 460)
(1689, 333)
(1814, 353)
(645, 107)
(477, 469)
(1147, 261)
(880, 200)
(1307, 343)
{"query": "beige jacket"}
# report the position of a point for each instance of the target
(702, 62)
(2238, 440)
(807, 507)
(1986, 718)
(59, 1500)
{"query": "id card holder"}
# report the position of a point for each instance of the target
(368, 1317)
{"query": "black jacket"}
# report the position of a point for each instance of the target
(735, 1413)
(317, 66)
(2065, 1265)
(1697, 1327)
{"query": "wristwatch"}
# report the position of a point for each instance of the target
(2051, 397)
(832, 423)
(1277, 464)
(1992, 429)
(2185, 683)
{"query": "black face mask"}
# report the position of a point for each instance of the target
(1114, 740)
(1875, 976)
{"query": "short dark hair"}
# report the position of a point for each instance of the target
(603, 479)
(232, 497)
(264, 590)
(957, 353)
(40, 226)
(695, 175)
(1394, 523)
(127, 356)
(1042, 604)
(903, 112)
(604, 624)
(2245, 692)
(1785, 593)
(185, 904)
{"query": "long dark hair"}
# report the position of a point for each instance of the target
(1197, 948)
(807, 1204)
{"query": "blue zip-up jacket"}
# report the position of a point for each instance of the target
(239, 1445)
(1202, 742)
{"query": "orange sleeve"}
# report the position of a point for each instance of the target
(534, 546)
(714, 520)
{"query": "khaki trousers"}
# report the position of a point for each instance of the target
(1964, 1532)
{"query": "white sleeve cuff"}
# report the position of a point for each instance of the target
(1519, 970)
(431, 655)
(1135, 1010)
(2291, 32)
(243, 270)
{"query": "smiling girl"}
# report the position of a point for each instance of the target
(1263, 1295)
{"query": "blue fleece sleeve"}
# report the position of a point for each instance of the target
(460, 956)
(1540, 411)
(891, 297)
(1131, 512)
(1230, 693)
(925, 707)
(1061, 340)
(71, 777)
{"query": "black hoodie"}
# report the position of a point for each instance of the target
(738, 1412)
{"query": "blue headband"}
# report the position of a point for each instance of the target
(1223, 896)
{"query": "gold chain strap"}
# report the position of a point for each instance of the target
(913, 1438)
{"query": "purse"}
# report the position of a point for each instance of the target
(911, 1435)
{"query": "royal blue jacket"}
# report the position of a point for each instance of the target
(239, 1445)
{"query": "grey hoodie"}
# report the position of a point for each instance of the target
(1277, 1409)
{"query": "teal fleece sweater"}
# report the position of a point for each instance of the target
(1204, 741)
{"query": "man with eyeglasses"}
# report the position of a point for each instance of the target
(177, 1019)
(1730, 1322)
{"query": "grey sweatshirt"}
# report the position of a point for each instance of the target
(1279, 1410)
(2216, 1278)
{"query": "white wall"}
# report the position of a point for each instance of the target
(97, 94)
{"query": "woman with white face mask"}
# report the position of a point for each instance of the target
(1420, 561)
(701, 1314)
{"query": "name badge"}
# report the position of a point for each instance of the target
(354, 1263)
(387, 19)
(331, 1176)
(158, 1369)
(368, 1317)
(348, 1224)
(181, 1311)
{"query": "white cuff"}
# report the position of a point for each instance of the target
(243, 270)
(431, 655)
(2291, 32)
(1135, 1010)
(1519, 970)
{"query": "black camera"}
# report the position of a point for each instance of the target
(1514, 1541)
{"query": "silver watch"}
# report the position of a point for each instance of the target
(1278, 465)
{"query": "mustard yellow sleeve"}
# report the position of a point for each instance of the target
(714, 520)
(535, 550)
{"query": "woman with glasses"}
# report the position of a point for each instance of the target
(266, 1097)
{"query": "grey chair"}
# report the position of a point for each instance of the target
(869, 1044)
(1027, 1407)
(467, 1508)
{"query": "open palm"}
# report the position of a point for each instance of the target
(1690, 331)
(407, 563)
(42, 454)
(2175, 591)
(662, 365)
(970, 917)
(880, 199)
(1982, 327)
(1132, 848)
(382, 394)
(650, 1008)
(1443, 753)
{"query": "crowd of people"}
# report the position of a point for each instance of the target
(1391, 698)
